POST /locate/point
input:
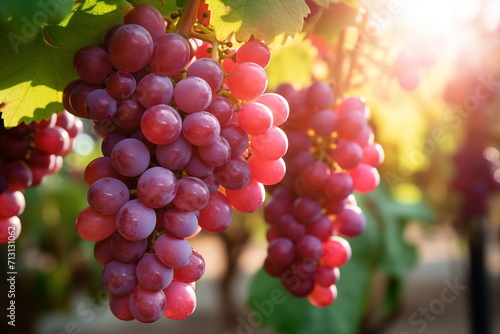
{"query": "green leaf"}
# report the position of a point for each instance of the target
(397, 255)
(272, 21)
(166, 7)
(33, 75)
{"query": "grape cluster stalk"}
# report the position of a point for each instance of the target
(28, 154)
(332, 154)
(176, 158)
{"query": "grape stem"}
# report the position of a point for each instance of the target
(188, 26)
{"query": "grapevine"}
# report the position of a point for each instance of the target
(175, 151)
(332, 153)
(30, 152)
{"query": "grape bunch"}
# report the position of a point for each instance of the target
(312, 211)
(28, 153)
(175, 157)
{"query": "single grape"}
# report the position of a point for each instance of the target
(107, 195)
(121, 85)
(247, 81)
(147, 305)
(156, 187)
(100, 105)
(255, 118)
(271, 145)
(192, 194)
(94, 226)
(278, 106)
(152, 274)
(216, 154)
(119, 278)
(181, 300)
(221, 108)
(130, 48)
(208, 70)
(154, 89)
(170, 56)
(216, 215)
(130, 157)
(201, 128)
(267, 172)
(173, 252)
(174, 155)
(247, 199)
(180, 223)
(12, 203)
(192, 94)
(161, 124)
(135, 221)
(148, 17)
(92, 64)
(119, 306)
(235, 174)
(254, 51)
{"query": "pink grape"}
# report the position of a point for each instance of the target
(152, 274)
(173, 252)
(107, 195)
(247, 81)
(192, 194)
(181, 300)
(365, 178)
(208, 70)
(130, 157)
(147, 305)
(121, 85)
(174, 155)
(135, 221)
(267, 172)
(255, 118)
(119, 278)
(247, 199)
(271, 145)
(92, 64)
(154, 89)
(130, 48)
(170, 54)
(254, 51)
(148, 17)
(216, 215)
(201, 128)
(157, 187)
(278, 106)
(192, 94)
(161, 124)
(94, 226)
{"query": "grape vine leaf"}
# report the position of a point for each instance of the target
(33, 75)
(166, 7)
(271, 21)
